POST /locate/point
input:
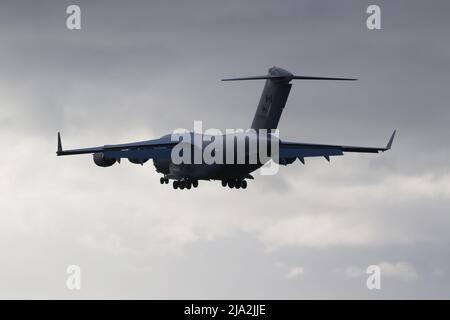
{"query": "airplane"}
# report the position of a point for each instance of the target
(234, 175)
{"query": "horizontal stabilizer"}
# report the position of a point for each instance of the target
(255, 78)
(289, 78)
(280, 74)
(321, 78)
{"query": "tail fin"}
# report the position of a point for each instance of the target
(274, 96)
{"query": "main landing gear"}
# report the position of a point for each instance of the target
(188, 184)
(234, 183)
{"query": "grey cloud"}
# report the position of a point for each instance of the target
(141, 69)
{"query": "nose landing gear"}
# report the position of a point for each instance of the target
(163, 180)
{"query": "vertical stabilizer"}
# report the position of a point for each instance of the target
(273, 99)
(274, 96)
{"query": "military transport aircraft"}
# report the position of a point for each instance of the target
(234, 175)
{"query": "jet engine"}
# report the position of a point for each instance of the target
(286, 161)
(101, 161)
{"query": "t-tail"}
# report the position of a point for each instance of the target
(274, 96)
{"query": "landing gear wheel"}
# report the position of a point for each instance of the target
(231, 184)
(162, 180)
(175, 184)
(224, 183)
(244, 184)
(238, 184)
(166, 180)
(188, 185)
(195, 183)
(182, 185)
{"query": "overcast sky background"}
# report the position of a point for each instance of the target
(139, 69)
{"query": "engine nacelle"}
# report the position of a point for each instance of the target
(101, 161)
(286, 161)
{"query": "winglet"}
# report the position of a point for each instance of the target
(59, 151)
(389, 145)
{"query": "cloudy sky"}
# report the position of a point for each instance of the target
(139, 69)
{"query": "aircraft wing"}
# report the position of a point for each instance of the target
(158, 148)
(289, 151)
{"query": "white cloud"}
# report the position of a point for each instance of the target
(295, 272)
(110, 244)
(390, 210)
(353, 272)
(401, 270)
